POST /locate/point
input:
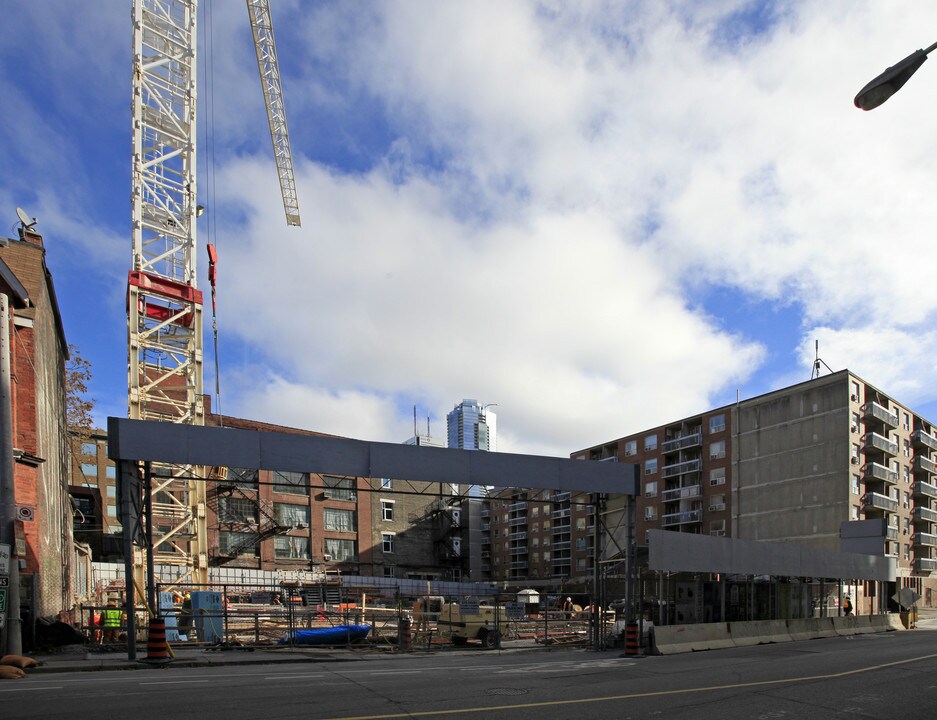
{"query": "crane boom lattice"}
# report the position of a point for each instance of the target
(269, 67)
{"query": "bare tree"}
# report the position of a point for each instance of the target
(78, 406)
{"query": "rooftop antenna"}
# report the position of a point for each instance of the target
(415, 433)
(24, 219)
(817, 362)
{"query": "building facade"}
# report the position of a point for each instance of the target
(37, 436)
(794, 465)
(472, 425)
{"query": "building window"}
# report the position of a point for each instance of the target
(112, 511)
(291, 548)
(855, 392)
(854, 486)
(338, 520)
(907, 552)
(387, 484)
(906, 473)
(390, 571)
(387, 510)
(89, 448)
(717, 450)
(341, 550)
(89, 470)
(631, 447)
(237, 543)
(906, 500)
(717, 502)
(650, 513)
(291, 515)
(110, 472)
(717, 423)
(855, 453)
(650, 489)
(855, 423)
(534, 511)
(292, 483)
(855, 512)
(387, 542)
(650, 442)
(650, 466)
(112, 491)
(580, 523)
(906, 423)
(339, 488)
(717, 527)
(717, 476)
(237, 510)
(244, 477)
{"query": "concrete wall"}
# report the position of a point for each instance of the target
(792, 464)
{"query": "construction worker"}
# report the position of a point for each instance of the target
(112, 619)
(568, 607)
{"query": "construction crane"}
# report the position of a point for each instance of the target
(164, 306)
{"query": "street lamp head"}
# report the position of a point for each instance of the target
(890, 81)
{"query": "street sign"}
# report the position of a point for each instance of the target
(3, 600)
(4, 559)
(4, 581)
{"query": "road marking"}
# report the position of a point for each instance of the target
(174, 682)
(632, 696)
(293, 677)
(27, 689)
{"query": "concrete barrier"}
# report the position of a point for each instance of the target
(811, 628)
(675, 639)
(852, 625)
(759, 632)
(883, 623)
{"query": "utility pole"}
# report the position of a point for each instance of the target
(10, 618)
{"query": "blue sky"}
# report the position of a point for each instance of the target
(600, 215)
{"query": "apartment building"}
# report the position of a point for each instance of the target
(539, 539)
(793, 465)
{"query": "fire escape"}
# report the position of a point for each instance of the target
(239, 510)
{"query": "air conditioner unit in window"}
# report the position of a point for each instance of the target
(854, 398)
(326, 494)
(854, 460)
(855, 428)
(718, 533)
(327, 557)
(353, 498)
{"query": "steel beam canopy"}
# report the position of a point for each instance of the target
(142, 440)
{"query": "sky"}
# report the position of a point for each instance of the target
(602, 216)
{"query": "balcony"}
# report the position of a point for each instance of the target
(518, 550)
(682, 443)
(517, 507)
(486, 512)
(879, 502)
(518, 565)
(873, 409)
(926, 514)
(919, 437)
(925, 564)
(681, 468)
(880, 442)
(517, 522)
(682, 518)
(925, 489)
(561, 497)
(564, 545)
(880, 472)
(891, 533)
(924, 539)
(925, 464)
(518, 536)
(561, 513)
(692, 491)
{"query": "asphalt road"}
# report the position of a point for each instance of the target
(890, 675)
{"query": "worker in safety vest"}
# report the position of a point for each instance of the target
(112, 619)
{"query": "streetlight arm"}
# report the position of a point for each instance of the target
(891, 81)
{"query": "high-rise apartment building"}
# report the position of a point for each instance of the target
(794, 465)
(473, 426)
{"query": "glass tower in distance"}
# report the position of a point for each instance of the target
(473, 426)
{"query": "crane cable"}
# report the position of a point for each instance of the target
(208, 70)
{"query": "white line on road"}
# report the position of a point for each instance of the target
(27, 689)
(173, 682)
(293, 677)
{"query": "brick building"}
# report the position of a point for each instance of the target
(38, 352)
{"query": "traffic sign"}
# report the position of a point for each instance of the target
(4, 581)
(3, 600)
(4, 559)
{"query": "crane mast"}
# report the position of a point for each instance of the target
(164, 305)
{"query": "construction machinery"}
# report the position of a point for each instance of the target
(164, 305)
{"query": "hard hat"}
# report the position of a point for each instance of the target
(569, 599)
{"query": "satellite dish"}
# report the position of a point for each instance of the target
(24, 218)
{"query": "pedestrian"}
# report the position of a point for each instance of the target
(112, 619)
(568, 608)
(847, 606)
